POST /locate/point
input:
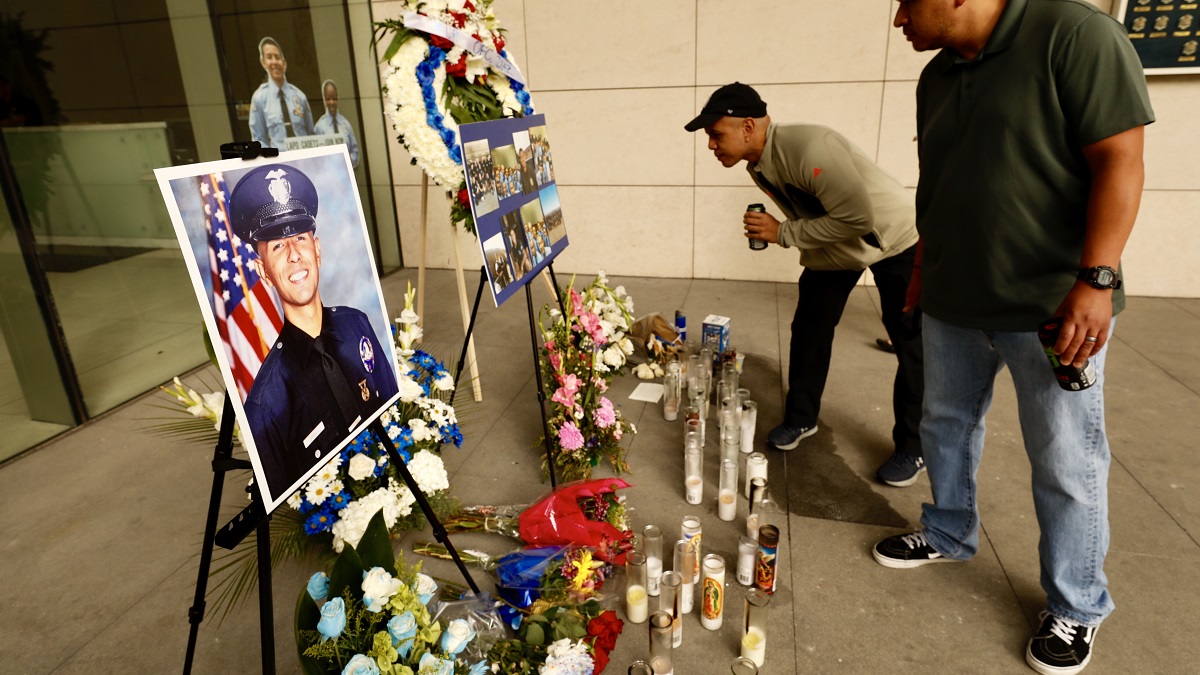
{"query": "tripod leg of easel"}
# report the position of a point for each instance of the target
(534, 338)
(424, 247)
(439, 530)
(266, 605)
(476, 387)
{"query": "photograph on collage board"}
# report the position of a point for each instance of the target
(278, 253)
(518, 217)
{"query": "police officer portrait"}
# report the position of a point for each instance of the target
(281, 247)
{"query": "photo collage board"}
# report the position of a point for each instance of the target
(514, 196)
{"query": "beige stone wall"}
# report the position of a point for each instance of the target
(618, 80)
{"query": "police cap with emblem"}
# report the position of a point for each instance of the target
(273, 202)
(732, 100)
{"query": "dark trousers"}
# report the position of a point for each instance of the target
(823, 296)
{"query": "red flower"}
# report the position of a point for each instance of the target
(469, 6)
(460, 20)
(599, 661)
(605, 628)
(458, 68)
(463, 197)
(441, 42)
(499, 42)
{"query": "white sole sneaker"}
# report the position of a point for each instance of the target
(793, 444)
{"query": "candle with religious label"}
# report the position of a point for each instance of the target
(692, 531)
(661, 641)
(687, 589)
(754, 627)
(668, 601)
(727, 491)
(749, 422)
(766, 567)
(712, 592)
(637, 603)
(652, 545)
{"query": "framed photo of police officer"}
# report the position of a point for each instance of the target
(278, 254)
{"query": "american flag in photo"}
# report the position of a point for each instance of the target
(247, 318)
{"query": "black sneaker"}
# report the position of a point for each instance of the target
(1060, 647)
(904, 551)
(901, 470)
(784, 437)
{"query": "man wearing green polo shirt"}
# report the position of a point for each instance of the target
(1030, 125)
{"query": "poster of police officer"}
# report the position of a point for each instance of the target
(278, 254)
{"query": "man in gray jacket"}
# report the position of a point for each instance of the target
(845, 214)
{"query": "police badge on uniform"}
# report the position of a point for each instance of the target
(297, 107)
(367, 353)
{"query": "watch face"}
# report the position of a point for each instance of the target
(1104, 278)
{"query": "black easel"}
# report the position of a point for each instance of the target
(439, 530)
(537, 365)
(252, 517)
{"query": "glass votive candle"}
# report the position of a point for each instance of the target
(683, 565)
(693, 421)
(741, 666)
(756, 467)
(712, 592)
(671, 394)
(754, 627)
(747, 556)
(691, 530)
(758, 488)
(642, 668)
(727, 491)
(637, 602)
(729, 374)
(668, 602)
(731, 433)
(742, 395)
(661, 641)
(693, 473)
(749, 422)
(652, 547)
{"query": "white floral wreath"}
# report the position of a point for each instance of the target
(416, 76)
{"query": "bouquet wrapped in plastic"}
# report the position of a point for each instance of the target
(584, 513)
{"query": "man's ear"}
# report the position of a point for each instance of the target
(257, 266)
(748, 126)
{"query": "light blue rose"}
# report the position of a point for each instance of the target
(480, 668)
(333, 619)
(424, 587)
(456, 636)
(432, 665)
(318, 586)
(403, 629)
(361, 665)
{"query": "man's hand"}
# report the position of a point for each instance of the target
(761, 226)
(1086, 313)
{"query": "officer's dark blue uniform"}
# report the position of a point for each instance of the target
(309, 392)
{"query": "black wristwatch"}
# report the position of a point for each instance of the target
(1101, 277)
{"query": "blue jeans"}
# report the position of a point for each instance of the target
(1067, 447)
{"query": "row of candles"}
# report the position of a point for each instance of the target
(676, 591)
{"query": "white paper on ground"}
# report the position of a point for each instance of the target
(650, 392)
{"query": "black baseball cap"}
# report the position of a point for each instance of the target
(732, 100)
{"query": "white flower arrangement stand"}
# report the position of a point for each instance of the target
(463, 306)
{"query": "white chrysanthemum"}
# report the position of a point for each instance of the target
(421, 430)
(361, 466)
(408, 113)
(429, 471)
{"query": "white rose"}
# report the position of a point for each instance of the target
(444, 383)
(361, 466)
(409, 390)
(456, 637)
(378, 587)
